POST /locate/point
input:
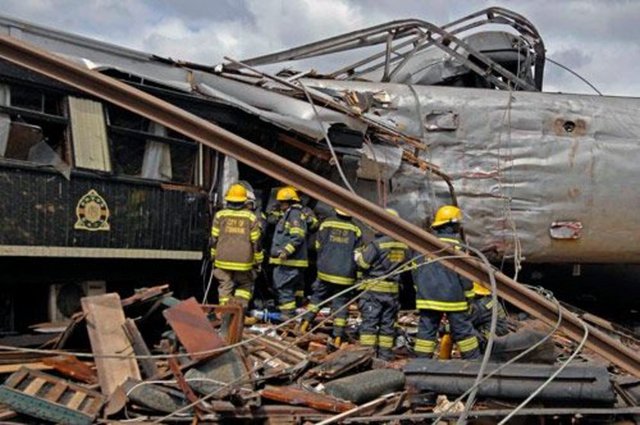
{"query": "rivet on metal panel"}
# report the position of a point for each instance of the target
(566, 230)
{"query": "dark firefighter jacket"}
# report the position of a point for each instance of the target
(235, 239)
(438, 288)
(274, 215)
(379, 258)
(290, 236)
(480, 312)
(336, 240)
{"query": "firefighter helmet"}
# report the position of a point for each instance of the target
(342, 213)
(392, 212)
(480, 290)
(236, 193)
(287, 193)
(447, 214)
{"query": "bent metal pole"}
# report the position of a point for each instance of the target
(215, 137)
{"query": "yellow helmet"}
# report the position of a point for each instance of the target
(236, 193)
(287, 193)
(342, 213)
(447, 214)
(480, 290)
(392, 212)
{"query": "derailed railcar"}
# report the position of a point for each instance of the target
(91, 196)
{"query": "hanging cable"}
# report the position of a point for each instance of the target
(584, 80)
(326, 137)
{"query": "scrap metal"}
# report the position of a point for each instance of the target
(279, 168)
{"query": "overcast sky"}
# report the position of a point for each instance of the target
(598, 39)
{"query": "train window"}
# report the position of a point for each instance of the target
(148, 150)
(33, 126)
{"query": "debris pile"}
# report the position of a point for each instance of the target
(154, 358)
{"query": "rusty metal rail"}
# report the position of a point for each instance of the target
(279, 168)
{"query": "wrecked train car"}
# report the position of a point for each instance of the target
(439, 115)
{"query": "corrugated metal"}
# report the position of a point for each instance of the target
(89, 134)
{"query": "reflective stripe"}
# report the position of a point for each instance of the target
(360, 261)
(339, 225)
(394, 244)
(313, 308)
(385, 341)
(215, 232)
(339, 280)
(381, 286)
(288, 306)
(489, 305)
(469, 294)
(255, 235)
(442, 305)
(425, 346)
(243, 293)
(213, 252)
(317, 245)
(368, 339)
(339, 321)
(258, 257)
(299, 293)
(288, 262)
(290, 248)
(236, 213)
(452, 241)
(230, 265)
(296, 231)
(468, 344)
(223, 300)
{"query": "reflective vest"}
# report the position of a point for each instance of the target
(336, 241)
(441, 289)
(290, 236)
(378, 259)
(235, 240)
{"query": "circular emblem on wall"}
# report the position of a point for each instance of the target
(92, 212)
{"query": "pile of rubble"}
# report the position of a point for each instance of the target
(156, 359)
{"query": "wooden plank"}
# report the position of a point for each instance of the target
(34, 386)
(10, 368)
(297, 396)
(105, 320)
(140, 347)
(76, 400)
(71, 367)
(15, 379)
(56, 392)
(193, 328)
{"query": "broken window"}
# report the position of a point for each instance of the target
(89, 132)
(142, 148)
(33, 125)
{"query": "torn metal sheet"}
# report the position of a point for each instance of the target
(379, 162)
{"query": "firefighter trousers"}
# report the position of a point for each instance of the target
(379, 311)
(286, 281)
(462, 333)
(321, 291)
(233, 283)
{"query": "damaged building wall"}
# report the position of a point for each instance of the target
(549, 169)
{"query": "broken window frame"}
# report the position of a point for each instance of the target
(50, 116)
(123, 128)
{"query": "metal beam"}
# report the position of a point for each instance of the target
(217, 138)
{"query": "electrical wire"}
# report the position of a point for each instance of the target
(552, 377)
(547, 294)
(326, 137)
(566, 68)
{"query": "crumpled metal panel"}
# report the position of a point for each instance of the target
(520, 165)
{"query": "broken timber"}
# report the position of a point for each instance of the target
(170, 116)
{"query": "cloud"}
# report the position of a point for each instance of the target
(596, 39)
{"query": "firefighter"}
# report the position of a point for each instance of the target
(289, 250)
(336, 241)
(235, 248)
(480, 308)
(379, 304)
(441, 291)
(309, 216)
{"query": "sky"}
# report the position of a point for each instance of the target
(597, 39)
